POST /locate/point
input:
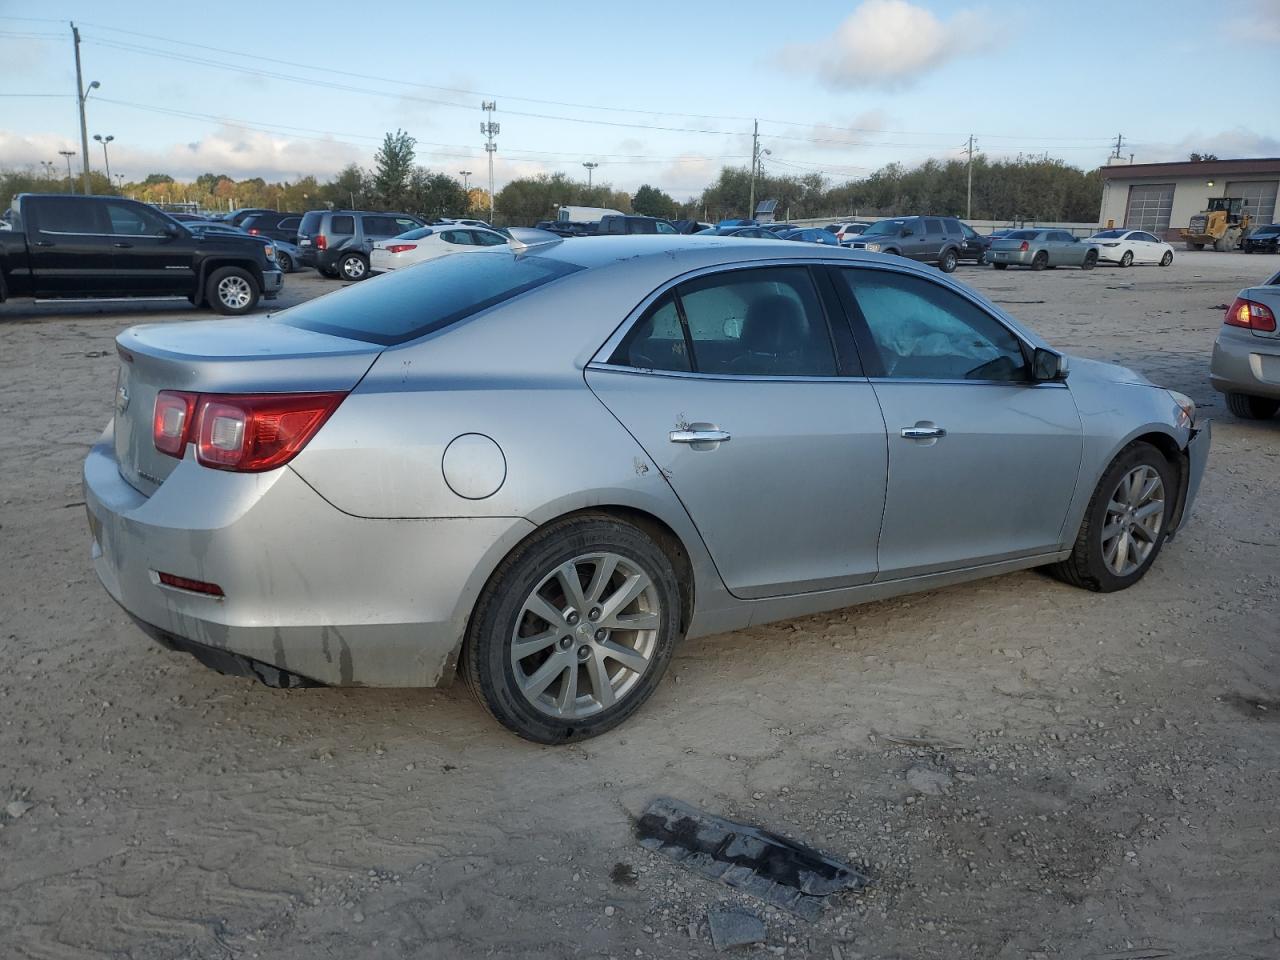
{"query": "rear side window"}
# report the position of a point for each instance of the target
(381, 227)
(932, 227)
(765, 322)
(289, 223)
(953, 228)
(343, 225)
(407, 304)
(69, 215)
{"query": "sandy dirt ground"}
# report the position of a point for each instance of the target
(1109, 766)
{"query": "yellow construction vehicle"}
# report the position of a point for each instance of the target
(1224, 225)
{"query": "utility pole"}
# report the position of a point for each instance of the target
(464, 174)
(68, 154)
(106, 160)
(81, 96)
(1119, 144)
(755, 159)
(490, 130)
(590, 167)
(968, 198)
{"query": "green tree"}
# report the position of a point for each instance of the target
(350, 188)
(393, 170)
(435, 194)
(653, 202)
(155, 178)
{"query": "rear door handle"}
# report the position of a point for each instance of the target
(121, 243)
(919, 432)
(699, 436)
(44, 243)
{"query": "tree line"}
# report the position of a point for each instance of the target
(1024, 188)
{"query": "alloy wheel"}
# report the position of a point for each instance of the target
(586, 635)
(353, 268)
(234, 292)
(1133, 520)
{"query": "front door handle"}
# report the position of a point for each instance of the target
(44, 243)
(121, 243)
(922, 432)
(699, 436)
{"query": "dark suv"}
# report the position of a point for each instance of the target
(337, 242)
(941, 240)
(273, 226)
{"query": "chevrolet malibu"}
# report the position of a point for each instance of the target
(542, 466)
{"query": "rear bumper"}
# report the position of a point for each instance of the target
(1244, 363)
(309, 590)
(1016, 257)
(1110, 254)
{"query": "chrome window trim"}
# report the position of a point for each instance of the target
(77, 233)
(692, 375)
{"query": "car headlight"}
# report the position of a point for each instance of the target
(873, 247)
(1186, 408)
(271, 253)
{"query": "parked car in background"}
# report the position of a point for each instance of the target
(460, 222)
(689, 226)
(338, 242)
(187, 217)
(1042, 249)
(427, 243)
(239, 215)
(1265, 239)
(277, 226)
(615, 224)
(1246, 353)
(69, 246)
(937, 240)
(845, 232)
(566, 228)
(809, 235)
(973, 246)
(1127, 247)
(750, 232)
(1000, 234)
(485, 461)
(287, 255)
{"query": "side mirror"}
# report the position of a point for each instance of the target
(906, 231)
(170, 232)
(1048, 365)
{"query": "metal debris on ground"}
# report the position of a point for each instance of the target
(734, 928)
(774, 869)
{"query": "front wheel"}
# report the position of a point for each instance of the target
(232, 291)
(1124, 525)
(1126, 260)
(1167, 258)
(1090, 261)
(574, 630)
(1248, 407)
(353, 267)
(285, 261)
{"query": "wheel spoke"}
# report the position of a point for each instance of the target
(1111, 531)
(1140, 531)
(545, 674)
(1115, 506)
(567, 575)
(568, 690)
(601, 577)
(540, 608)
(1122, 551)
(601, 687)
(624, 655)
(1152, 509)
(523, 647)
(1109, 552)
(641, 620)
(618, 601)
(1148, 490)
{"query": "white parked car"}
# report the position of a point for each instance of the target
(1127, 247)
(427, 243)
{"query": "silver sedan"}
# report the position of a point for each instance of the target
(1246, 353)
(542, 466)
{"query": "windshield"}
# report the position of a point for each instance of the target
(1109, 234)
(430, 296)
(883, 227)
(1268, 230)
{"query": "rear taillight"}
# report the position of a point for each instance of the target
(322, 242)
(1024, 248)
(254, 231)
(401, 247)
(171, 422)
(247, 433)
(1251, 315)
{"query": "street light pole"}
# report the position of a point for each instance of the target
(464, 174)
(590, 168)
(81, 96)
(68, 154)
(105, 159)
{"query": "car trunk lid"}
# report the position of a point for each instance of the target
(245, 356)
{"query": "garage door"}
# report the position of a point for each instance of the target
(1259, 196)
(1149, 207)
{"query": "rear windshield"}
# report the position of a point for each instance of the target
(407, 304)
(310, 222)
(1022, 234)
(415, 234)
(1110, 234)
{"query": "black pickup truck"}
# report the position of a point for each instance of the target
(71, 247)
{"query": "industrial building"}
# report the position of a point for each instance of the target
(1161, 198)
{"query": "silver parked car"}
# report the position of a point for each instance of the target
(545, 465)
(1042, 249)
(1246, 354)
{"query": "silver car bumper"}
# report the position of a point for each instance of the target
(1015, 257)
(1245, 363)
(308, 589)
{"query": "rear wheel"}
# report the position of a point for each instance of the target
(1001, 266)
(285, 261)
(1124, 525)
(1040, 261)
(948, 262)
(353, 266)
(574, 630)
(1252, 408)
(1090, 260)
(1167, 258)
(232, 291)
(982, 258)
(1126, 259)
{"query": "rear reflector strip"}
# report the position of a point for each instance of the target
(194, 586)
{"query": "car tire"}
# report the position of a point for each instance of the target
(982, 259)
(561, 689)
(1194, 246)
(1040, 261)
(948, 261)
(1167, 259)
(1000, 266)
(232, 291)
(1088, 566)
(1248, 407)
(285, 262)
(1126, 259)
(1090, 261)
(353, 267)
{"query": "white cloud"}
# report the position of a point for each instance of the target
(890, 43)
(1238, 142)
(1259, 25)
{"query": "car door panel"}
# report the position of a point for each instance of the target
(72, 252)
(151, 263)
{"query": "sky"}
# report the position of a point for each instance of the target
(661, 92)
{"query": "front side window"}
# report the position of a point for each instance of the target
(130, 221)
(933, 227)
(765, 322)
(68, 215)
(924, 331)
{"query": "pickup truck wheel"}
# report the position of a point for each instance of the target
(232, 291)
(353, 267)
(948, 262)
